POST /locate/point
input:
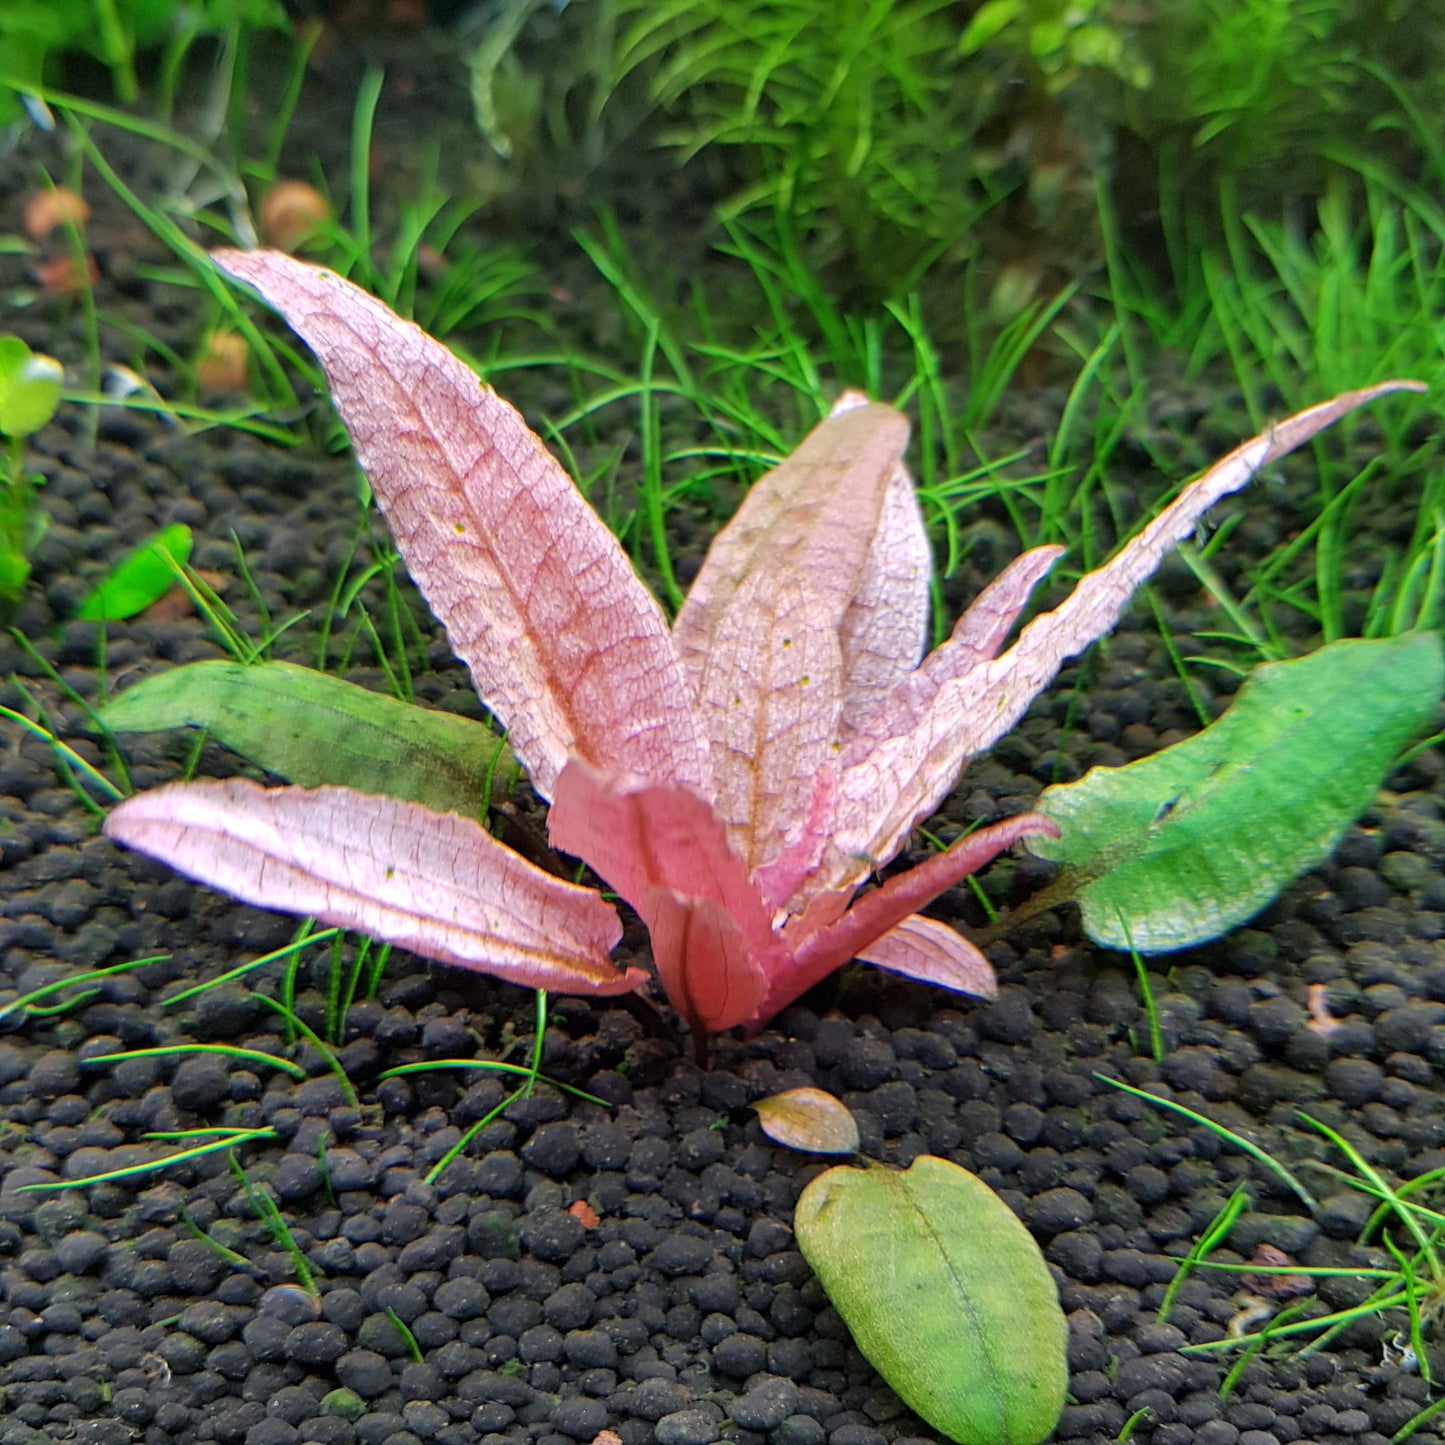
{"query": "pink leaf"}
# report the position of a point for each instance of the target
(707, 970)
(885, 628)
(817, 512)
(912, 756)
(932, 952)
(977, 636)
(818, 950)
(780, 879)
(564, 643)
(435, 883)
(985, 626)
(768, 698)
(666, 852)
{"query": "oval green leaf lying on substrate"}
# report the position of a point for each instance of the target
(140, 578)
(809, 1119)
(313, 729)
(946, 1294)
(1185, 845)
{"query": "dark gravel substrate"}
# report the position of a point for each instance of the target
(684, 1313)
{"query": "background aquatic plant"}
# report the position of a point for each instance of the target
(30, 388)
(34, 37)
(852, 118)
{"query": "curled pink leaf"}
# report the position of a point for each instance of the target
(705, 965)
(666, 852)
(563, 641)
(437, 884)
(818, 950)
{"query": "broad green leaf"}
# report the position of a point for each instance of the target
(945, 1292)
(810, 1119)
(311, 729)
(29, 388)
(1185, 845)
(142, 577)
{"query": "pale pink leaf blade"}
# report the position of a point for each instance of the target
(977, 636)
(563, 641)
(931, 952)
(885, 628)
(666, 852)
(768, 700)
(904, 771)
(437, 884)
(817, 511)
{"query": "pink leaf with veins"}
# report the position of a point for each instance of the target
(932, 952)
(768, 698)
(435, 883)
(816, 512)
(564, 643)
(977, 636)
(666, 852)
(885, 629)
(911, 760)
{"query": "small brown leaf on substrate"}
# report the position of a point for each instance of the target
(809, 1119)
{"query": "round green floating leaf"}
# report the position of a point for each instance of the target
(29, 388)
(945, 1292)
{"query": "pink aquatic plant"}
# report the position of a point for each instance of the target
(736, 777)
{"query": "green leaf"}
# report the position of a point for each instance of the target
(1185, 845)
(29, 388)
(143, 577)
(990, 20)
(945, 1292)
(311, 729)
